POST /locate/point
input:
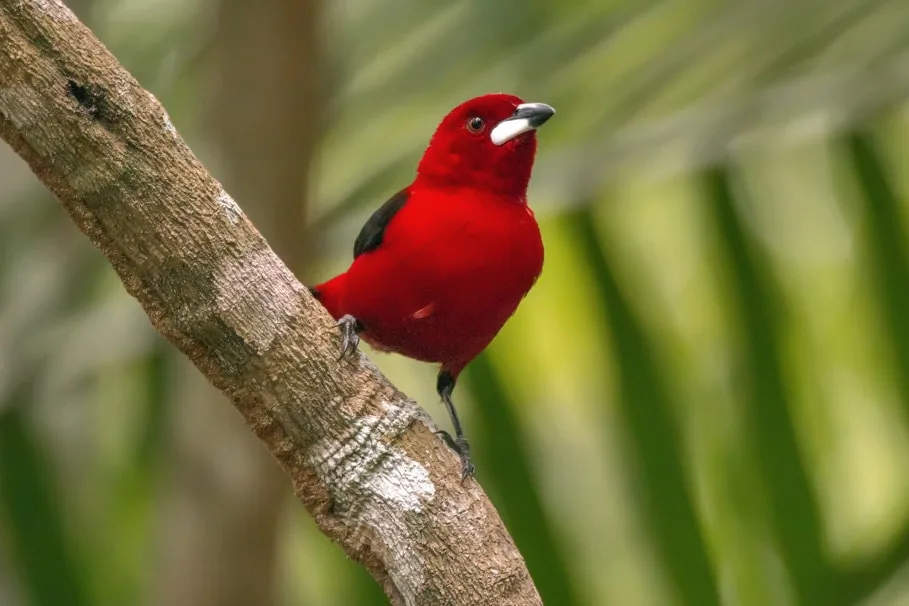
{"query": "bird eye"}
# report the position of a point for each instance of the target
(475, 124)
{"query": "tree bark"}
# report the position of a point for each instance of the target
(362, 456)
(221, 531)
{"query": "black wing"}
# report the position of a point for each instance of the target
(373, 231)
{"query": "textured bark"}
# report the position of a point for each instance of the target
(362, 456)
(222, 526)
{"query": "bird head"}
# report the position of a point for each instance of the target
(487, 143)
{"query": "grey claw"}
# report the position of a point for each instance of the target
(350, 340)
(462, 448)
(467, 467)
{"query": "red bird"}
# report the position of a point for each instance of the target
(441, 266)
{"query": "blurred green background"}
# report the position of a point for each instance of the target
(705, 399)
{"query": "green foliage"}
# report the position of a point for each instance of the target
(506, 471)
(793, 511)
(654, 447)
(32, 511)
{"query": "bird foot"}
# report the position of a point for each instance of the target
(349, 326)
(462, 448)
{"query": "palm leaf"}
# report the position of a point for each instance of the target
(645, 404)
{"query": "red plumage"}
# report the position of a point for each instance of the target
(445, 262)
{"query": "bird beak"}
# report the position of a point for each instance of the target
(526, 117)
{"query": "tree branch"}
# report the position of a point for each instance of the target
(361, 455)
(266, 56)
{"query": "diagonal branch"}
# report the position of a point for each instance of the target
(361, 455)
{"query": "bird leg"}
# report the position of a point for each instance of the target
(445, 387)
(349, 326)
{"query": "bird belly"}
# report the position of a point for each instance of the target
(455, 330)
(446, 302)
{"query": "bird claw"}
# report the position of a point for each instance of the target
(350, 340)
(449, 441)
(462, 448)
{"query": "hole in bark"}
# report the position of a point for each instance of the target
(91, 98)
(81, 94)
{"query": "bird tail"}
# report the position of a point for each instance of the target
(330, 295)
